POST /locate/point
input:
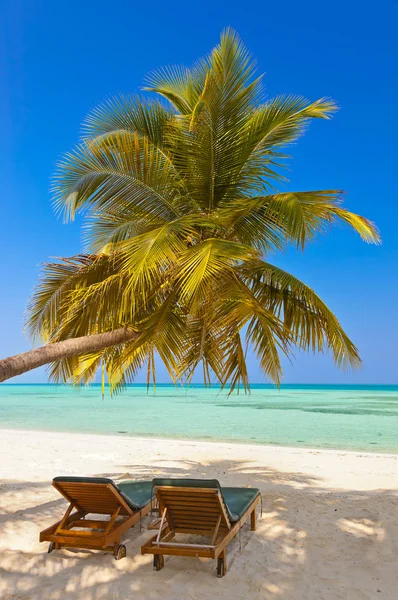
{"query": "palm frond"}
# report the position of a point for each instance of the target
(121, 171)
(130, 114)
(266, 333)
(174, 84)
(312, 324)
(76, 369)
(50, 303)
(277, 219)
(205, 263)
(164, 332)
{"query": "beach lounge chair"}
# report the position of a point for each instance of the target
(204, 508)
(124, 503)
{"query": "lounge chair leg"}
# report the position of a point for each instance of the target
(120, 551)
(222, 564)
(253, 520)
(51, 547)
(158, 562)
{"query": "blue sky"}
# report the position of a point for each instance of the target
(59, 59)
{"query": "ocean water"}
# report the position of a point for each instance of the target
(343, 417)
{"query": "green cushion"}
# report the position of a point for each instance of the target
(239, 499)
(137, 494)
(236, 500)
(73, 479)
(197, 483)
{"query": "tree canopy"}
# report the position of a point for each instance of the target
(182, 214)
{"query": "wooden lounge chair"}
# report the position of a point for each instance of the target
(125, 504)
(204, 508)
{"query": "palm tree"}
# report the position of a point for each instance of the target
(182, 213)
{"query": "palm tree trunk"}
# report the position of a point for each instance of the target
(21, 363)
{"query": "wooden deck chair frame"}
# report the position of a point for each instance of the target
(199, 511)
(74, 530)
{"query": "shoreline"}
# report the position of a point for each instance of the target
(123, 435)
(329, 468)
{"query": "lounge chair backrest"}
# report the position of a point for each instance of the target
(97, 495)
(192, 504)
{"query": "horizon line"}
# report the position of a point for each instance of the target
(171, 384)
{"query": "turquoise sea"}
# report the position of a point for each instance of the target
(316, 416)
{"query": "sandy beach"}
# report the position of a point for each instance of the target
(328, 531)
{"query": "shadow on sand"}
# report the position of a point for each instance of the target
(311, 542)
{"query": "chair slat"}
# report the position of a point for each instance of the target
(92, 498)
(195, 511)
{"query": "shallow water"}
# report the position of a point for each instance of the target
(343, 417)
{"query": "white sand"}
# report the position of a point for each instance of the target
(329, 528)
